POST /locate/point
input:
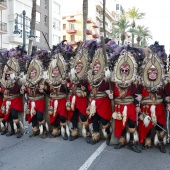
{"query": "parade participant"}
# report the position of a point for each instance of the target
(124, 90)
(34, 87)
(99, 110)
(12, 103)
(152, 106)
(58, 97)
(78, 94)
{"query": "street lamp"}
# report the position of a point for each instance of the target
(16, 31)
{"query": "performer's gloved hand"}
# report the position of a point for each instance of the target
(79, 95)
(41, 88)
(83, 88)
(109, 93)
(138, 97)
(167, 98)
(138, 110)
(168, 106)
(63, 82)
(22, 90)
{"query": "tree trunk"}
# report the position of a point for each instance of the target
(32, 25)
(133, 26)
(104, 30)
(85, 15)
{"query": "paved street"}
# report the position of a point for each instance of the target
(36, 153)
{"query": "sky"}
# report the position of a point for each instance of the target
(157, 16)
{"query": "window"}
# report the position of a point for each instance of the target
(64, 26)
(72, 37)
(38, 2)
(56, 8)
(45, 20)
(45, 4)
(72, 26)
(38, 17)
(64, 37)
(56, 24)
(37, 36)
(56, 39)
(117, 6)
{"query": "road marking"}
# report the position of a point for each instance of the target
(91, 159)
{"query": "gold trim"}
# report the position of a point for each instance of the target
(37, 64)
(95, 80)
(125, 100)
(57, 60)
(10, 97)
(122, 81)
(153, 86)
(36, 97)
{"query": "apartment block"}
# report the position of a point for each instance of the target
(73, 28)
(3, 25)
(48, 23)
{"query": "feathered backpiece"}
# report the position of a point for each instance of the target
(44, 56)
(160, 51)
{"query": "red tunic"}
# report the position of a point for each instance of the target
(81, 103)
(103, 105)
(131, 113)
(160, 114)
(1, 101)
(61, 106)
(16, 103)
(39, 105)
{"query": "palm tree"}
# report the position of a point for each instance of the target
(141, 33)
(85, 15)
(32, 24)
(104, 5)
(121, 27)
(134, 15)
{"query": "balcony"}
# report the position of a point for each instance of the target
(3, 4)
(71, 31)
(3, 28)
(89, 21)
(95, 35)
(95, 26)
(71, 19)
(73, 43)
(88, 32)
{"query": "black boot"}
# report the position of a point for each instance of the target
(162, 148)
(10, 133)
(133, 147)
(19, 134)
(119, 146)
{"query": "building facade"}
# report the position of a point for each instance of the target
(47, 13)
(73, 28)
(3, 25)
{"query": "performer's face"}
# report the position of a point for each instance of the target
(78, 68)
(152, 75)
(124, 70)
(96, 68)
(55, 72)
(33, 73)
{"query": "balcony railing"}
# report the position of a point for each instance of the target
(3, 27)
(71, 31)
(71, 19)
(95, 35)
(88, 32)
(3, 4)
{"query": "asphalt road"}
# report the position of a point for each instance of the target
(56, 154)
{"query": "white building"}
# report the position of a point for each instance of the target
(47, 13)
